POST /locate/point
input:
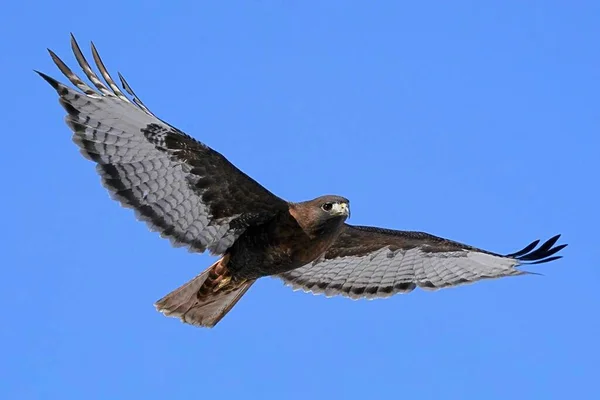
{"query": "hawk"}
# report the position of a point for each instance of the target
(195, 197)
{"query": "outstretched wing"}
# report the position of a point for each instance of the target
(367, 262)
(182, 188)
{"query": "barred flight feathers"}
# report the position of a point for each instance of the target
(367, 262)
(182, 188)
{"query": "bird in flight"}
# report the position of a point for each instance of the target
(194, 196)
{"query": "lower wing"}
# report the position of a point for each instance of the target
(367, 262)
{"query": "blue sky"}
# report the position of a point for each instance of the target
(477, 121)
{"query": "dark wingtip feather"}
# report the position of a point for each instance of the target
(525, 250)
(546, 260)
(53, 55)
(543, 254)
(136, 99)
(53, 82)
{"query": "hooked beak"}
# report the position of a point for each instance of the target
(341, 209)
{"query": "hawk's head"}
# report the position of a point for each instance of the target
(332, 206)
(323, 215)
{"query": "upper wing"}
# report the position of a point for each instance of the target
(367, 262)
(179, 186)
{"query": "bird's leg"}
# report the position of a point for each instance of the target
(224, 282)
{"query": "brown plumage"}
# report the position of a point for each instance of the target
(194, 196)
(206, 299)
(291, 239)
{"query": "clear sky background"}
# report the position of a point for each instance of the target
(477, 121)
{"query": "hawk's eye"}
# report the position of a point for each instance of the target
(327, 207)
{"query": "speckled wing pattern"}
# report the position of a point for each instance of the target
(180, 187)
(368, 262)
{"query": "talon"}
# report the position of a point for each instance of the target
(224, 282)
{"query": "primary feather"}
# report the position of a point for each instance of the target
(182, 188)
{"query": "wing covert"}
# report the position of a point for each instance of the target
(180, 187)
(368, 262)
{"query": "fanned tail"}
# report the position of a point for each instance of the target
(206, 299)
